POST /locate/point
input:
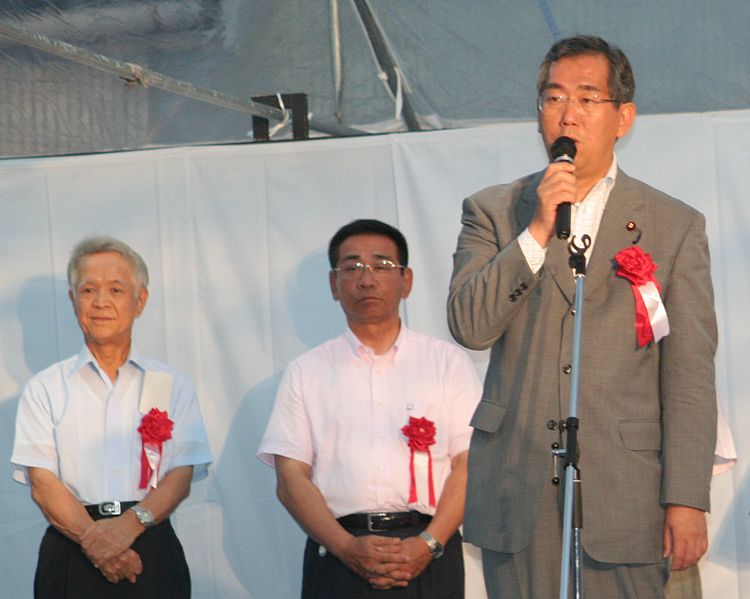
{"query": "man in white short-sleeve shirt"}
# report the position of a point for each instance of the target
(369, 437)
(109, 442)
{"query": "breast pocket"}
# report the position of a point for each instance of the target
(488, 416)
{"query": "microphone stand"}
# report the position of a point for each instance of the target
(572, 526)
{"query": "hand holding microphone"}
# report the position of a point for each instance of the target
(555, 192)
(563, 149)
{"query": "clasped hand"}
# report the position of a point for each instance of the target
(386, 562)
(107, 544)
(127, 565)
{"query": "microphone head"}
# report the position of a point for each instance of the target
(563, 146)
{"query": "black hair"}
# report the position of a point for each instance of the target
(366, 226)
(621, 79)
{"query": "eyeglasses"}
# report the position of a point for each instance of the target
(551, 103)
(379, 268)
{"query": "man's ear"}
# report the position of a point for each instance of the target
(627, 112)
(141, 299)
(408, 281)
(332, 283)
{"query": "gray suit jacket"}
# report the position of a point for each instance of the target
(648, 415)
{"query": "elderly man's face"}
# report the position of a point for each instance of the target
(106, 300)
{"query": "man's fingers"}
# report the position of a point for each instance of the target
(667, 542)
(685, 535)
(390, 557)
(383, 583)
(688, 553)
(382, 543)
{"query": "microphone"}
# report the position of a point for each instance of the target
(563, 149)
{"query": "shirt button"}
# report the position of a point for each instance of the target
(567, 369)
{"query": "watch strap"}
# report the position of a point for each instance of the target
(436, 547)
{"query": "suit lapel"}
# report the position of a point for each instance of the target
(623, 206)
(557, 265)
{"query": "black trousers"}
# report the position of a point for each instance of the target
(328, 577)
(64, 572)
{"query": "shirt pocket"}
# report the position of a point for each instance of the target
(641, 435)
(488, 416)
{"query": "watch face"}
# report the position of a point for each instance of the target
(145, 517)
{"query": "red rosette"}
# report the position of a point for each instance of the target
(155, 429)
(421, 434)
(636, 266)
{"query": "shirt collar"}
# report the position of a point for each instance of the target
(611, 175)
(607, 182)
(86, 357)
(363, 353)
(604, 185)
(596, 198)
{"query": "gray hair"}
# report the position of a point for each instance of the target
(621, 79)
(100, 245)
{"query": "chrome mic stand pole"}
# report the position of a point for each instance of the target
(572, 527)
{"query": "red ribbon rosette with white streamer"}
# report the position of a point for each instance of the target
(651, 322)
(155, 428)
(421, 434)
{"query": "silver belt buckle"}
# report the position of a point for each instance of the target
(370, 525)
(110, 508)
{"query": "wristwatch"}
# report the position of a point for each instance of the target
(435, 546)
(145, 517)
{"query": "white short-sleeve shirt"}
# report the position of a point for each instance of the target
(74, 422)
(340, 408)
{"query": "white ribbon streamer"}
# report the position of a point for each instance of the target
(421, 477)
(657, 313)
(153, 455)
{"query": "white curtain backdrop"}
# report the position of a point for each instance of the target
(235, 239)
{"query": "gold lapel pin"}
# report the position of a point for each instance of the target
(631, 226)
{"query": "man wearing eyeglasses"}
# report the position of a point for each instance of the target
(646, 399)
(369, 437)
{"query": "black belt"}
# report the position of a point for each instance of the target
(381, 521)
(108, 509)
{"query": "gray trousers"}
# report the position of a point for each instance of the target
(534, 573)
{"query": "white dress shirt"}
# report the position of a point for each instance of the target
(340, 408)
(74, 422)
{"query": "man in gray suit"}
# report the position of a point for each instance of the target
(647, 405)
